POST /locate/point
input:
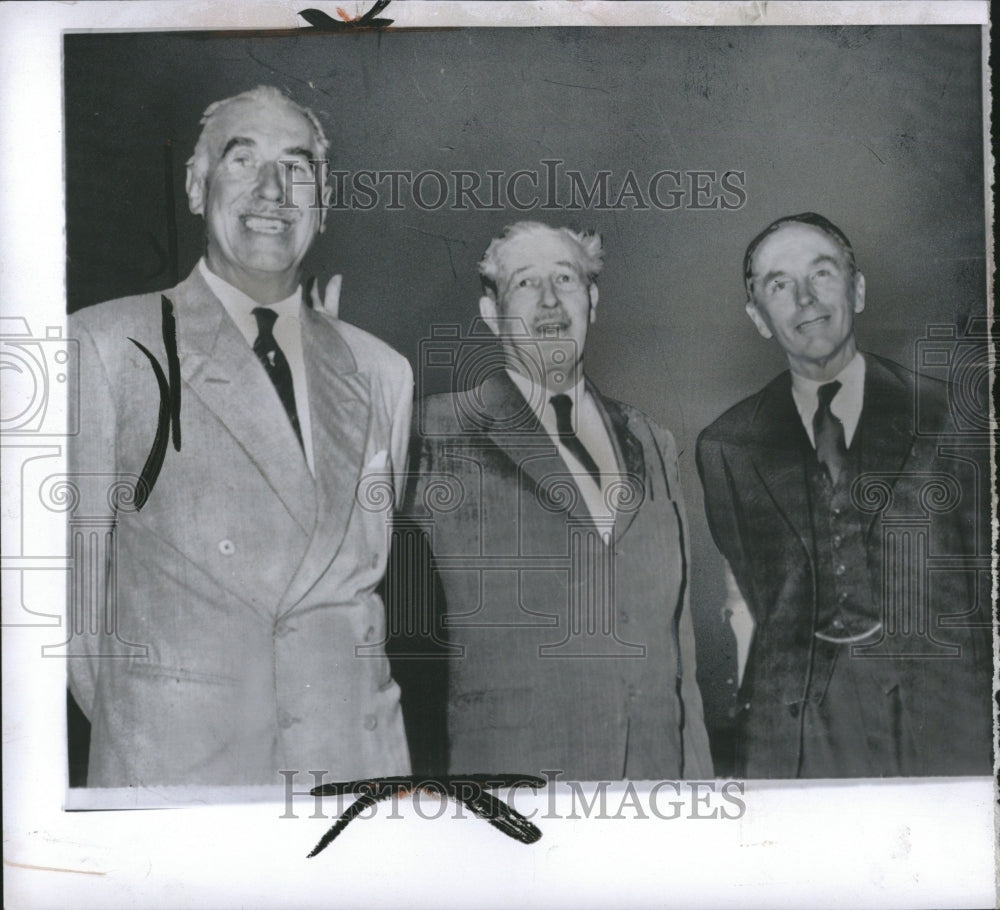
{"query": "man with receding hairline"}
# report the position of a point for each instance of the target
(556, 522)
(859, 661)
(240, 584)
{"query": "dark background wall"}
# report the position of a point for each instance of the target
(878, 128)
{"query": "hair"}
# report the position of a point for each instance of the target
(589, 244)
(809, 218)
(199, 161)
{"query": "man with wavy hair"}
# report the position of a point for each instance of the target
(556, 524)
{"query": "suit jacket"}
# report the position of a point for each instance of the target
(566, 654)
(247, 631)
(925, 519)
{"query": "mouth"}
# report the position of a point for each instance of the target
(551, 328)
(265, 224)
(811, 324)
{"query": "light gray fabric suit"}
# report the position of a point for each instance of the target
(248, 584)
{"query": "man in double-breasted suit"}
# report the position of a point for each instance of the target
(556, 523)
(853, 516)
(236, 425)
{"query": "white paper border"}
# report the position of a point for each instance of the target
(888, 844)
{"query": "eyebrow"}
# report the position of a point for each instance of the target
(241, 141)
(563, 262)
(775, 273)
(237, 141)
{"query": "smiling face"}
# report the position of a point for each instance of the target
(256, 238)
(543, 307)
(805, 295)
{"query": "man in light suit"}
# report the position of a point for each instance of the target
(853, 516)
(555, 521)
(235, 426)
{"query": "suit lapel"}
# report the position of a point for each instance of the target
(630, 458)
(778, 447)
(887, 422)
(340, 412)
(511, 424)
(219, 367)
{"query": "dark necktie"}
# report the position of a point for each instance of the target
(828, 431)
(563, 405)
(275, 364)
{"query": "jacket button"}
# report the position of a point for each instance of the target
(282, 628)
(793, 709)
(840, 570)
(227, 547)
(371, 722)
(837, 540)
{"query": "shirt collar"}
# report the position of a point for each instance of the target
(538, 396)
(846, 404)
(240, 306)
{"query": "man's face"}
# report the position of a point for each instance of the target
(544, 306)
(805, 296)
(255, 235)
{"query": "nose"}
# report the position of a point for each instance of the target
(268, 181)
(804, 294)
(549, 298)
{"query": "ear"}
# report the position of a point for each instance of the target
(592, 291)
(327, 194)
(488, 310)
(758, 319)
(195, 192)
(859, 292)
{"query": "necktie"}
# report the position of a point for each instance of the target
(275, 364)
(828, 431)
(563, 405)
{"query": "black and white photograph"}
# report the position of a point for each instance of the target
(527, 425)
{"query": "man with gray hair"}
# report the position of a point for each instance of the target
(554, 519)
(230, 631)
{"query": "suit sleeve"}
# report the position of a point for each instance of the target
(400, 433)
(92, 467)
(697, 758)
(721, 510)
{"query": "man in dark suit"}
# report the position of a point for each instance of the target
(854, 522)
(556, 522)
(219, 623)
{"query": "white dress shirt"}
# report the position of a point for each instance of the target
(287, 333)
(846, 404)
(588, 423)
(846, 407)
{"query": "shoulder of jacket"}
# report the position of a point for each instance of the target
(371, 354)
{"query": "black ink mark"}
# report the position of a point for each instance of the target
(168, 421)
(470, 791)
(324, 23)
